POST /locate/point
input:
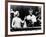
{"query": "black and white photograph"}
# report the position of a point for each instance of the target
(25, 18)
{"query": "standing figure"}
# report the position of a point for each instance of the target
(30, 19)
(16, 22)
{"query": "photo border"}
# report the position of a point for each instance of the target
(6, 17)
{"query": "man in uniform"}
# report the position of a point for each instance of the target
(30, 19)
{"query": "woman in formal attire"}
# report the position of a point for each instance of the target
(16, 22)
